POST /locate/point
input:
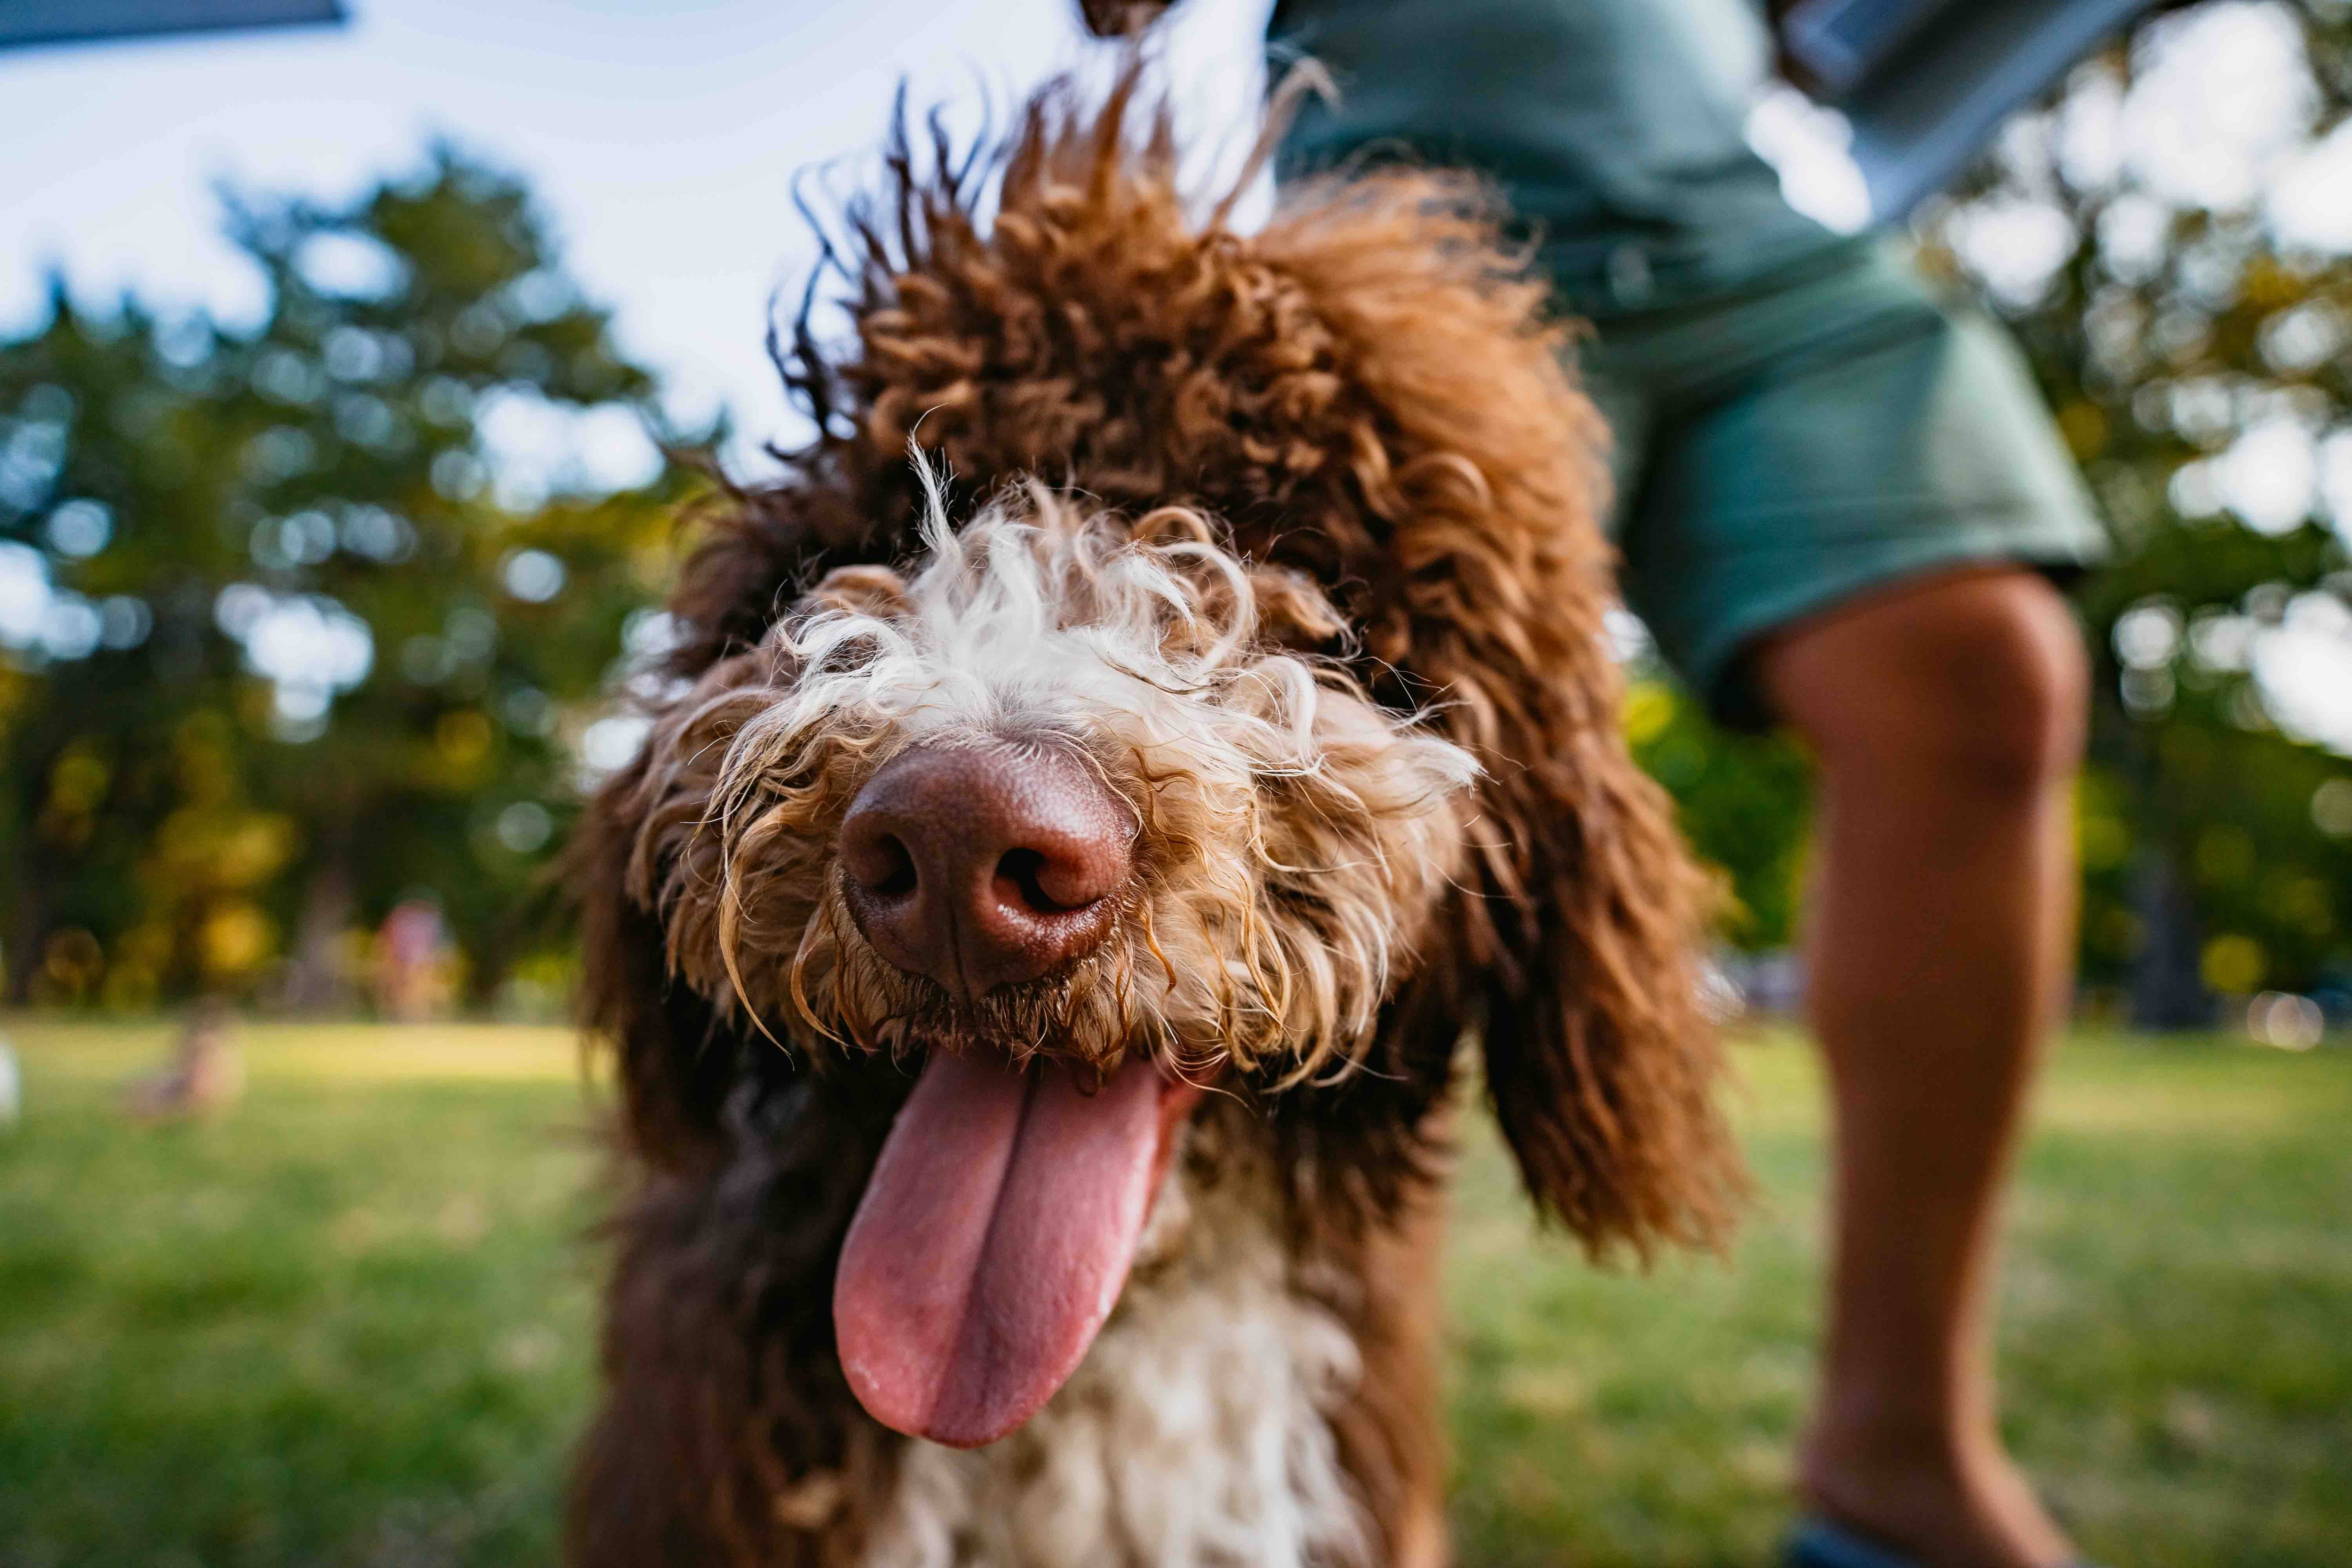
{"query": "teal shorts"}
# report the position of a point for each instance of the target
(1823, 432)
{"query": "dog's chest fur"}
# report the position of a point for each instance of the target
(1196, 1433)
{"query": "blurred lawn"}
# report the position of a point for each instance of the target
(352, 1324)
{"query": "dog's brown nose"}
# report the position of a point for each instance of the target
(985, 866)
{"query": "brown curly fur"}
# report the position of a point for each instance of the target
(1369, 397)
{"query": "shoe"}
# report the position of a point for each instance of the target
(1818, 1543)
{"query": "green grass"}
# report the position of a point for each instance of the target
(347, 1324)
(2176, 1342)
(351, 1324)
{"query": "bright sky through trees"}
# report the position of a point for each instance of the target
(663, 136)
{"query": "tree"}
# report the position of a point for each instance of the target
(1743, 801)
(295, 622)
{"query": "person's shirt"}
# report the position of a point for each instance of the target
(1614, 128)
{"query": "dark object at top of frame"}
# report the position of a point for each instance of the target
(24, 22)
(1926, 83)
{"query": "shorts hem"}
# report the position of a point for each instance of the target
(1714, 663)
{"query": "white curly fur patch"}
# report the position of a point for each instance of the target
(1196, 1433)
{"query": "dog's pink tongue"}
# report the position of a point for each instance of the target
(993, 1241)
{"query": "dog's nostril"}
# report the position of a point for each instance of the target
(879, 861)
(899, 875)
(1025, 870)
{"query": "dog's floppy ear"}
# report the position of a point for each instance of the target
(675, 1058)
(1466, 493)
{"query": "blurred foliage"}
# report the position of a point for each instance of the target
(2198, 365)
(286, 633)
(1744, 802)
(2194, 348)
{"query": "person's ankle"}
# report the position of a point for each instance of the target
(1948, 1496)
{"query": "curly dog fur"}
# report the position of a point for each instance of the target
(1291, 537)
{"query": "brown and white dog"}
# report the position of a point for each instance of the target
(1038, 934)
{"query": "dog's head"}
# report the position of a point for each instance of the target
(1267, 746)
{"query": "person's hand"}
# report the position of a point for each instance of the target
(1785, 63)
(1121, 19)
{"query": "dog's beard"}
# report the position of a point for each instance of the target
(1097, 1011)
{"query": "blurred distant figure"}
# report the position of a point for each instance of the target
(204, 1078)
(12, 1085)
(413, 961)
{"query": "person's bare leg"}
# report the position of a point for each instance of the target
(1946, 719)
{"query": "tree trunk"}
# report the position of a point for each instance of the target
(2167, 986)
(28, 922)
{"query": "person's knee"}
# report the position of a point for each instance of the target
(1979, 683)
(2014, 683)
